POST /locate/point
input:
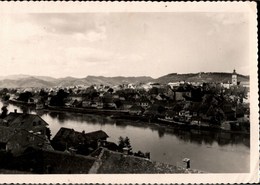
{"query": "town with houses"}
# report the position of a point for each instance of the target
(27, 145)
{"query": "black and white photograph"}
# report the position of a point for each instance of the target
(116, 90)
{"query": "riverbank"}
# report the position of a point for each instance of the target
(87, 111)
(167, 144)
(17, 102)
(124, 114)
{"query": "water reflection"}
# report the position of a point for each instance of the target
(209, 151)
(161, 132)
(195, 136)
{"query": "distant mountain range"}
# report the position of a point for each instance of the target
(45, 81)
(13, 81)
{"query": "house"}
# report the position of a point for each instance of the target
(76, 103)
(131, 86)
(177, 108)
(5, 134)
(86, 103)
(196, 120)
(182, 93)
(115, 96)
(108, 145)
(156, 85)
(76, 97)
(225, 125)
(41, 161)
(229, 111)
(144, 103)
(29, 122)
(36, 99)
(109, 103)
(210, 112)
(226, 85)
(245, 84)
(155, 111)
(184, 116)
(22, 139)
(239, 112)
(169, 115)
(102, 161)
(122, 98)
(136, 110)
(97, 103)
(169, 93)
(174, 84)
(162, 96)
(159, 97)
(72, 103)
(126, 105)
(178, 96)
(81, 142)
(194, 108)
(136, 96)
(110, 162)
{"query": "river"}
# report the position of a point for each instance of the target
(214, 152)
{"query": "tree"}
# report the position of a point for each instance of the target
(4, 91)
(48, 133)
(110, 90)
(58, 100)
(6, 97)
(153, 90)
(25, 96)
(4, 112)
(124, 142)
(44, 95)
(90, 92)
(127, 142)
(121, 142)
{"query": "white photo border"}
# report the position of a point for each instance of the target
(69, 7)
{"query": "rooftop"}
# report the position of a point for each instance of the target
(15, 119)
(115, 162)
(71, 133)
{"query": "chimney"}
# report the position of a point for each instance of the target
(15, 110)
(187, 161)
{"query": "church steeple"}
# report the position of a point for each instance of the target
(234, 77)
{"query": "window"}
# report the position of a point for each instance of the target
(31, 138)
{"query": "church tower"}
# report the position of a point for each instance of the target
(234, 78)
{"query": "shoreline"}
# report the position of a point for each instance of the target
(123, 114)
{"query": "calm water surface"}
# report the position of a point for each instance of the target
(208, 151)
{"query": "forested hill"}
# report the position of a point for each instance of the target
(45, 81)
(201, 77)
(23, 81)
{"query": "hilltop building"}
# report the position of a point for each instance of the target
(234, 77)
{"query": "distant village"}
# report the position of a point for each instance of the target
(25, 138)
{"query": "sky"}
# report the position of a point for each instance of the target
(123, 44)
